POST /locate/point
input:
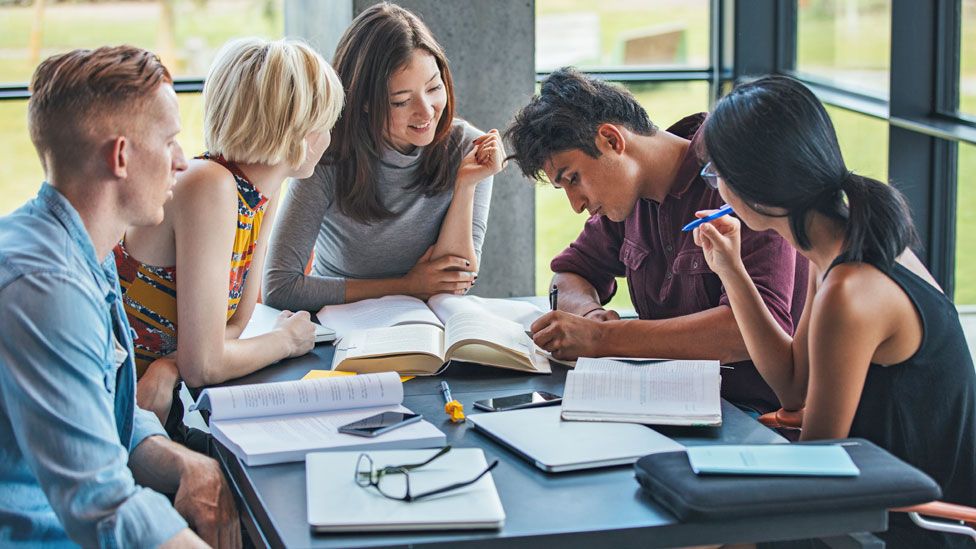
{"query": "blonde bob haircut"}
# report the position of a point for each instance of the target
(262, 98)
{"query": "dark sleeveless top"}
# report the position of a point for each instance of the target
(923, 410)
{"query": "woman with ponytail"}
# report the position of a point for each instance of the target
(878, 352)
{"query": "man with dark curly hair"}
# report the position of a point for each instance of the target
(640, 185)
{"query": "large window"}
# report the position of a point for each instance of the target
(185, 33)
(966, 227)
(863, 142)
(967, 59)
(845, 43)
(621, 33)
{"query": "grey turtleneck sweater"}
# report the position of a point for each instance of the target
(345, 248)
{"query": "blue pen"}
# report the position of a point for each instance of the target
(724, 210)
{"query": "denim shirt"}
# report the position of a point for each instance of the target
(68, 419)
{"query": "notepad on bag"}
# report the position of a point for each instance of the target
(772, 459)
(337, 504)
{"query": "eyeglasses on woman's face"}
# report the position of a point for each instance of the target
(710, 176)
(386, 480)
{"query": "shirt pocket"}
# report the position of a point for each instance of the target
(689, 270)
(690, 262)
(632, 254)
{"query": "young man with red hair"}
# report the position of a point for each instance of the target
(78, 461)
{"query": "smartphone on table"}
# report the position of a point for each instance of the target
(380, 423)
(516, 402)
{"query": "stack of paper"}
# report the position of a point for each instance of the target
(672, 392)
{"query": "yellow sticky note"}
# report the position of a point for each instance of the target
(317, 374)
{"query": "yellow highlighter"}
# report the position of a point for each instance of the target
(451, 406)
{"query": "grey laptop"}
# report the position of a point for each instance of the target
(555, 446)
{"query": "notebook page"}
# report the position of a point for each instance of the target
(302, 396)
(389, 310)
(447, 305)
(411, 338)
(685, 388)
(263, 320)
(475, 325)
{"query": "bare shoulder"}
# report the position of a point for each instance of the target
(204, 186)
(854, 291)
(858, 298)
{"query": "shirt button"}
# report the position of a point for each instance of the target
(667, 275)
(669, 248)
(694, 264)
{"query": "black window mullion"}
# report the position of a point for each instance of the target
(923, 166)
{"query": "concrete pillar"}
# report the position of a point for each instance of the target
(491, 49)
(318, 23)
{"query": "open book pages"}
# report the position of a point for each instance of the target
(673, 392)
(423, 349)
(396, 310)
(301, 396)
(280, 422)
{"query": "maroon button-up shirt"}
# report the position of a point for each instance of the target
(666, 272)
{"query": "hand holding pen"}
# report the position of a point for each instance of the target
(720, 238)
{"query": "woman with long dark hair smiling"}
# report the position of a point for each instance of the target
(879, 352)
(399, 203)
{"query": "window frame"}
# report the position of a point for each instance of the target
(925, 125)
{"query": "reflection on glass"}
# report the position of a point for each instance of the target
(556, 223)
(847, 42)
(966, 227)
(20, 171)
(967, 59)
(621, 33)
(186, 34)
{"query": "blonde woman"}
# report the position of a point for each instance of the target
(269, 108)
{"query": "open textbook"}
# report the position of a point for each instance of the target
(403, 334)
(396, 310)
(670, 392)
(280, 422)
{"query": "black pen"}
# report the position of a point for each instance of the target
(554, 298)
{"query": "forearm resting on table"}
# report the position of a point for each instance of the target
(709, 335)
(576, 294)
(769, 346)
(358, 289)
(236, 358)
